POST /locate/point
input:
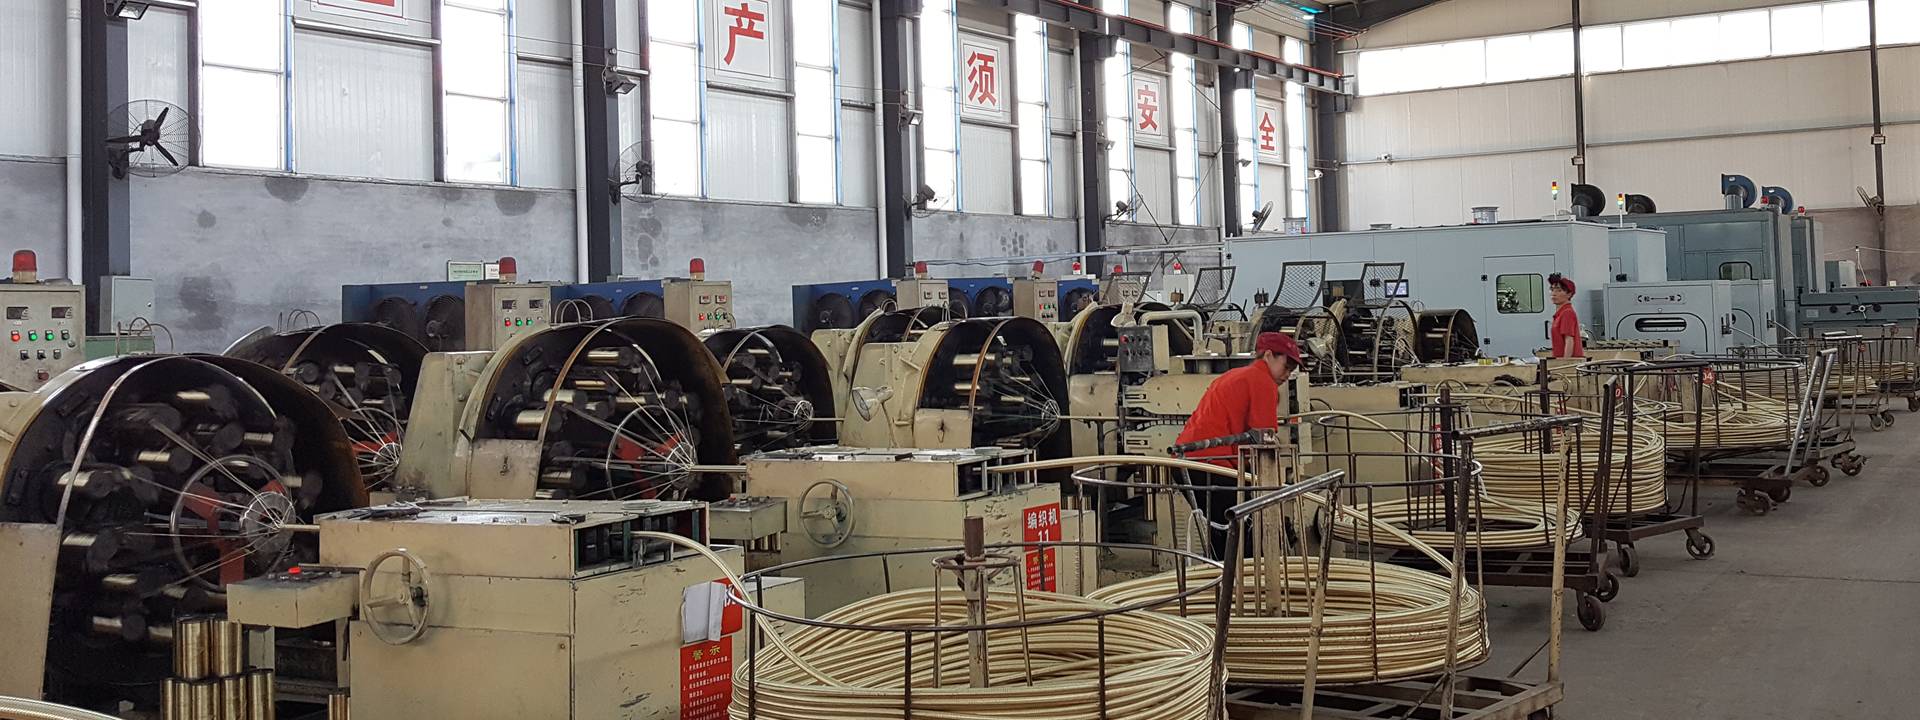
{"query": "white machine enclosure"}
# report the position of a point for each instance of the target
(1637, 255)
(1756, 319)
(1696, 315)
(1465, 266)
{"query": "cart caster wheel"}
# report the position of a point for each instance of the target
(1819, 477)
(1699, 545)
(1853, 466)
(1754, 503)
(1593, 613)
(1837, 461)
(1781, 494)
(1629, 561)
(1877, 422)
(1886, 416)
(1609, 586)
(1913, 404)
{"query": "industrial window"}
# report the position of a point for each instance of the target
(1690, 40)
(1519, 294)
(474, 67)
(674, 95)
(1249, 189)
(1030, 115)
(1298, 173)
(1736, 271)
(242, 81)
(1118, 73)
(1184, 99)
(939, 111)
(816, 102)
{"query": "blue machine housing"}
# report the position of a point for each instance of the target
(410, 307)
(611, 299)
(839, 304)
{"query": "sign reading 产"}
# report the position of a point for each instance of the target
(747, 49)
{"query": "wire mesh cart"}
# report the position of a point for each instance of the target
(1632, 399)
(1516, 478)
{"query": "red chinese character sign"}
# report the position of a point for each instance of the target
(1267, 125)
(706, 680)
(383, 10)
(983, 77)
(1150, 107)
(1042, 524)
(743, 39)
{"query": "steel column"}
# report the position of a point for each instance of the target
(1879, 139)
(1329, 144)
(103, 198)
(599, 33)
(1579, 102)
(1231, 79)
(897, 177)
(1094, 50)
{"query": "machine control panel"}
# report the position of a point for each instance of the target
(915, 294)
(499, 312)
(699, 305)
(1037, 299)
(1136, 349)
(45, 332)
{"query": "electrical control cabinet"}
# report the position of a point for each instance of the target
(700, 305)
(498, 312)
(1697, 316)
(45, 332)
(915, 294)
(122, 301)
(1037, 299)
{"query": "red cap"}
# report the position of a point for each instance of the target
(697, 269)
(1561, 281)
(1278, 344)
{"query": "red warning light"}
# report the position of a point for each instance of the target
(697, 269)
(25, 261)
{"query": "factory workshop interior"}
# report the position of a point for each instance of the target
(960, 359)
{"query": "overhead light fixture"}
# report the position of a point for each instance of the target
(617, 82)
(126, 9)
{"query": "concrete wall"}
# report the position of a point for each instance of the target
(764, 249)
(33, 211)
(231, 251)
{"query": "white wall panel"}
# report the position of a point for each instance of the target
(856, 54)
(157, 57)
(1462, 120)
(545, 27)
(1436, 192)
(1210, 210)
(856, 156)
(1820, 168)
(1780, 93)
(748, 141)
(33, 58)
(1063, 105)
(1153, 181)
(544, 118)
(1063, 162)
(362, 107)
(626, 34)
(986, 169)
(1458, 19)
(1273, 189)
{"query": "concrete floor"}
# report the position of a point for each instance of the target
(1812, 611)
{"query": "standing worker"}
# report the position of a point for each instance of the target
(1244, 398)
(1565, 331)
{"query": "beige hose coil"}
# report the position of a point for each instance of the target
(1507, 525)
(1158, 667)
(1382, 621)
(1512, 466)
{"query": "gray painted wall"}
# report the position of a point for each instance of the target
(33, 211)
(231, 251)
(764, 249)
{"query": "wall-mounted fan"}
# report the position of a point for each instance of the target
(833, 311)
(647, 305)
(633, 173)
(993, 301)
(149, 138)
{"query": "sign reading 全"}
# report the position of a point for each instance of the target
(1266, 129)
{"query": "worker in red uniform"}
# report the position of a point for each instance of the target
(1244, 398)
(1564, 334)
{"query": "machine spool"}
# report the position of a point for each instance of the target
(644, 404)
(232, 695)
(365, 371)
(186, 533)
(229, 648)
(203, 700)
(1445, 336)
(1092, 344)
(260, 695)
(777, 385)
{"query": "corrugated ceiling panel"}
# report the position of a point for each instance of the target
(856, 54)
(748, 141)
(986, 169)
(545, 27)
(33, 83)
(157, 57)
(1063, 163)
(856, 156)
(544, 115)
(1153, 183)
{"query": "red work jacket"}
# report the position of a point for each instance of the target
(1566, 324)
(1245, 398)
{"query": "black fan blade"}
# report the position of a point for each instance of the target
(167, 155)
(123, 140)
(162, 120)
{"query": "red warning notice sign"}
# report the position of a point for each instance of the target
(706, 680)
(1042, 524)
